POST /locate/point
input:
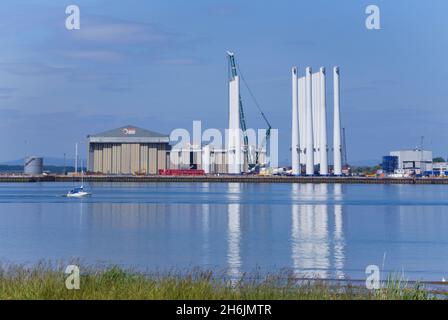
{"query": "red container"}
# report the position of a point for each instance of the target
(180, 172)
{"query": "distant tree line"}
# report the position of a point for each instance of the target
(50, 169)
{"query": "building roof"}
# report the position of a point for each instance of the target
(129, 134)
(411, 150)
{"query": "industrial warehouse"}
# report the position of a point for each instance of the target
(127, 150)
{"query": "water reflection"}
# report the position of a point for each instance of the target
(206, 229)
(310, 235)
(338, 233)
(321, 230)
(295, 231)
(234, 231)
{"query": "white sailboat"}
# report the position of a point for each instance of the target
(79, 192)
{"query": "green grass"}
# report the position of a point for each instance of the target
(48, 282)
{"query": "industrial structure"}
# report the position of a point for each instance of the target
(389, 164)
(241, 154)
(193, 157)
(127, 150)
(235, 132)
(33, 166)
(440, 168)
(132, 150)
(214, 160)
(253, 156)
(412, 162)
(415, 159)
(309, 146)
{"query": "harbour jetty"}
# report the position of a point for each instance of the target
(220, 179)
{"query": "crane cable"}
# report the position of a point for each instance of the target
(252, 95)
(268, 131)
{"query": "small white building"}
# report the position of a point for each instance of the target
(414, 159)
(440, 166)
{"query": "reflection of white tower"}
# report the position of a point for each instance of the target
(309, 232)
(338, 233)
(234, 130)
(295, 149)
(319, 233)
(295, 231)
(206, 229)
(234, 232)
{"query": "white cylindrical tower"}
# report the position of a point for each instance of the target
(33, 166)
(302, 119)
(315, 102)
(337, 125)
(323, 125)
(295, 150)
(206, 159)
(234, 131)
(309, 125)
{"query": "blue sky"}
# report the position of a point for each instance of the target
(162, 64)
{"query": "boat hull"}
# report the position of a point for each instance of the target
(78, 195)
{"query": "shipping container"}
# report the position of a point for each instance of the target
(180, 172)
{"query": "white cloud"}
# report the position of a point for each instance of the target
(33, 69)
(96, 55)
(178, 61)
(121, 32)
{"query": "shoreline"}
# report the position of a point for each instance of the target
(219, 179)
(44, 282)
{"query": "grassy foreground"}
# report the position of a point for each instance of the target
(45, 282)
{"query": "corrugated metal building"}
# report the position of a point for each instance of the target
(415, 159)
(128, 150)
(185, 157)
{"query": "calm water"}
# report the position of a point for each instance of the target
(331, 231)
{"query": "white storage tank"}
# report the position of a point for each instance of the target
(33, 166)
